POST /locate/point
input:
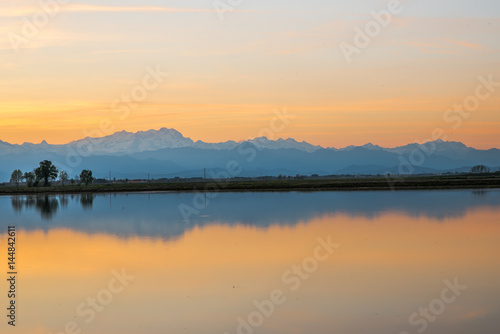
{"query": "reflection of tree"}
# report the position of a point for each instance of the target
(63, 200)
(17, 203)
(87, 200)
(30, 201)
(47, 206)
(479, 192)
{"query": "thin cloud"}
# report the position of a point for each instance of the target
(425, 47)
(444, 48)
(21, 11)
(120, 51)
(467, 44)
(94, 8)
(16, 11)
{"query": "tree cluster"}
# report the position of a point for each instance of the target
(47, 172)
(480, 169)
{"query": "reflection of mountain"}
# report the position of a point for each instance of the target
(158, 214)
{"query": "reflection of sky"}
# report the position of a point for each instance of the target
(158, 214)
(388, 266)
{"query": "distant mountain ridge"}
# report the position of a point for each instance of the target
(124, 142)
(167, 153)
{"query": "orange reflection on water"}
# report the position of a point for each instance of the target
(386, 268)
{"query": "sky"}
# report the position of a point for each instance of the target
(84, 69)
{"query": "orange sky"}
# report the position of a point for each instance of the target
(226, 77)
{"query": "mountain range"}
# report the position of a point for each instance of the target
(167, 153)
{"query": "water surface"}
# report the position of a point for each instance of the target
(212, 273)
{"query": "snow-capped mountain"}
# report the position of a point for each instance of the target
(7, 148)
(263, 142)
(127, 142)
(368, 146)
(448, 148)
(124, 142)
(167, 153)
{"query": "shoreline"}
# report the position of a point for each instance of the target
(337, 184)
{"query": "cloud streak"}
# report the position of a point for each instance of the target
(466, 44)
(21, 11)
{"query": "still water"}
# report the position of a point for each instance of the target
(297, 262)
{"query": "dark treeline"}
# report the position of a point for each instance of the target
(46, 173)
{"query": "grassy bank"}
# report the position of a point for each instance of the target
(375, 183)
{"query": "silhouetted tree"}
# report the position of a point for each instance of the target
(46, 172)
(480, 169)
(86, 177)
(63, 176)
(30, 178)
(16, 177)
